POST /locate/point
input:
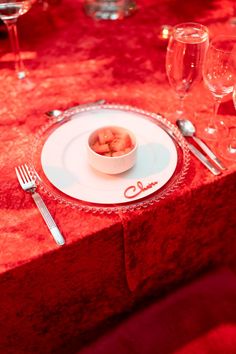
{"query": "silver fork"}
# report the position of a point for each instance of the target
(28, 184)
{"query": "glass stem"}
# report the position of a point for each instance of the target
(232, 136)
(180, 110)
(212, 123)
(12, 30)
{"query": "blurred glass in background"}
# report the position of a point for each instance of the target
(109, 9)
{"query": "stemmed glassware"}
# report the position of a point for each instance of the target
(10, 10)
(231, 148)
(227, 147)
(234, 96)
(218, 75)
(184, 59)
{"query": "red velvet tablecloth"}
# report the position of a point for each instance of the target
(52, 296)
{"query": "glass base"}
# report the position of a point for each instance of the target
(24, 85)
(109, 9)
(211, 131)
(227, 150)
(21, 75)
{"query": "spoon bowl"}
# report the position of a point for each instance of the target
(54, 113)
(186, 126)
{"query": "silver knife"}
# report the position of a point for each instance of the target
(209, 152)
(204, 160)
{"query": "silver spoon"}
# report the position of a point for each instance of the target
(188, 129)
(56, 112)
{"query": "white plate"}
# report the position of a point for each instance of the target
(64, 158)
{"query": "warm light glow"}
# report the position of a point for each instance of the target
(9, 57)
(166, 31)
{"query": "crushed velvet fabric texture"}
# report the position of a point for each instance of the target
(198, 318)
(52, 297)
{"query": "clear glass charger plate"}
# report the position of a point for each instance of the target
(58, 160)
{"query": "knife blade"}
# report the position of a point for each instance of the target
(203, 160)
(209, 152)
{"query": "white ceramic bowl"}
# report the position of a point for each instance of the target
(111, 164)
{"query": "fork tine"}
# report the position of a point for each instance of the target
(25, 172)
(21, 172)
(28, 172)
(19, 176)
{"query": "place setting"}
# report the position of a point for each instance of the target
(109, 158)
(101, 157)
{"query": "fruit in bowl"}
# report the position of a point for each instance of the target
(112, 149)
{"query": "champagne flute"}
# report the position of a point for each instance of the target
(219, 78)
(231, 148)
(10, 10)
(227, 147)
(184, 59)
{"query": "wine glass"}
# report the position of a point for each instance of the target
(218, 75)
(10, 10)
(184, 59)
